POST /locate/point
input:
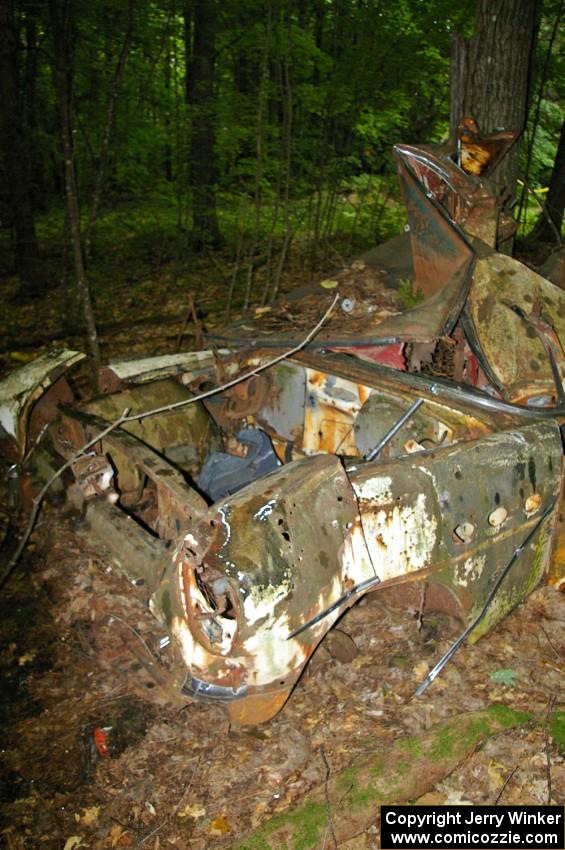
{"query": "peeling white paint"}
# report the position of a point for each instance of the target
(400, 540)
(226, 525)
(29, 382)
(265, 511)
(148, 368)
(273, 655)
(354, 557)
(470, 571)
(193, 653)
(377, 489)
(192, 541)
(262, 600)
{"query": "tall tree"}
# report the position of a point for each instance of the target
(200, 91)
(15, 151)
(491, 73)
(549, 224)
(59, 15)
(105, 145)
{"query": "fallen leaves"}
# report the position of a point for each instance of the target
(89, 816)
(192, 810)
(72, 842)
(497, 773)
(220, 826)
(119, 837)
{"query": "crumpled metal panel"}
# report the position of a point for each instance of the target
(332, 404)
(283, 410)
(178, 505)
(145, 369)
(281, 565)
(413, 512)
(464, 495)
(439, 250)
(505, 343)
(258, 582)
(380, 412)
(185, 435)
(20, 390)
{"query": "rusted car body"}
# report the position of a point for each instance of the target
(266, 498)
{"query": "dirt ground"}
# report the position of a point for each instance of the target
(92, 758)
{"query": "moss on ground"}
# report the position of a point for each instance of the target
(410, 767)
(557, 729)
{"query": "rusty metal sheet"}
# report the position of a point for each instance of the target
(262, 550)
(440, 250)
(441, 513)
(146, 369)
(505, 343)
(257, 584)
(332, 405)
(20, 390)
(184, 435)
(177, 505)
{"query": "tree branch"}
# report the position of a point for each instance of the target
(125, 417)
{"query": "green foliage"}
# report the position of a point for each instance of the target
(407, 295)
(307, 100)
(504, 677)
(557, 729)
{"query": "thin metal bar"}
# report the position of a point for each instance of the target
(364, 585)
(462, 638)
(395, 428)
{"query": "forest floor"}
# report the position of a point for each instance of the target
(90, 761)
(92, 757)
(142, 305)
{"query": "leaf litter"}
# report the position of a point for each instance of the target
(181, 776)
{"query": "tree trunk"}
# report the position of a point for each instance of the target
(14, 148)
(200, 98)
(105, 146)
(58, 12)
(549, 224)
(492, 73)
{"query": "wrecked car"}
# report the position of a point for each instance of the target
(275, 483)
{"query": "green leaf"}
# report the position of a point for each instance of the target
(504, 677)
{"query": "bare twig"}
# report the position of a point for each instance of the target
(506, 781)
(191, 314)
(330, 828)
(134, 631)
(536, 119)
(106, 136)
(550, 704)
(420, 614)
(545, 212)
(125, 417)
(175, 808)
(550, 642)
